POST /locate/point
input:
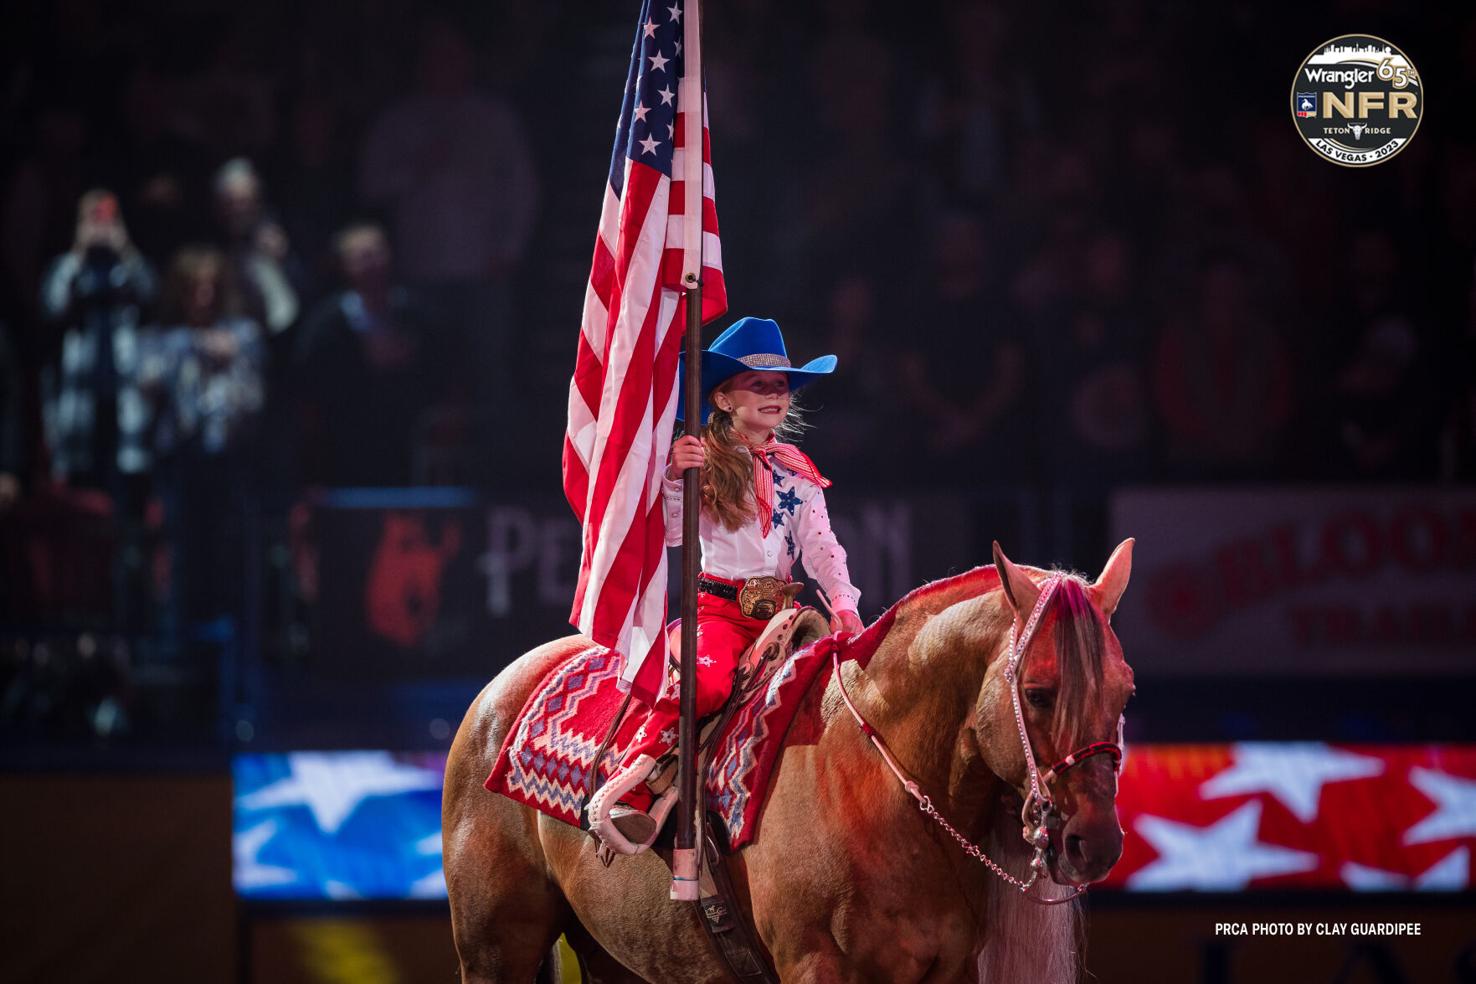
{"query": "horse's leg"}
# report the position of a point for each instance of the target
(506, 911)
(597, 966)
(506, 914)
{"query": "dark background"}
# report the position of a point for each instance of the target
(1059, 251)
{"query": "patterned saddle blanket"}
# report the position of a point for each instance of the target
(546, 758)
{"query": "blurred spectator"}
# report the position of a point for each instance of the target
(95, 420)
(162, 169)
(1385, 416)
(36, 213)
(855, 414)
(204, 372)
(12, 462)
(454, 165)
(1222, 377)
(977, 101)
(371, 361)
(257, 247)
(964, 370)
(1093, 386)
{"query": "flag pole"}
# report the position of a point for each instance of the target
(693, 97)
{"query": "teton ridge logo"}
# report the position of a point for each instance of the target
(1357, 100)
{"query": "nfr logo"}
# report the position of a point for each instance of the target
(1356, 100)
(1363, 105)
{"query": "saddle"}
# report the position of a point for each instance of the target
(789, 630)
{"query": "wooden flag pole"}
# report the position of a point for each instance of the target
(684, 884)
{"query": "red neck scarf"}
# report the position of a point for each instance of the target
(791, 457)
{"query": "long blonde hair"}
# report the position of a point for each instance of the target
(727, 475)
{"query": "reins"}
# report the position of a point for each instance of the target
(1039, 805)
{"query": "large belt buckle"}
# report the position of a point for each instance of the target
(760, 596)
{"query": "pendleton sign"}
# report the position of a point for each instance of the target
(1357, 100)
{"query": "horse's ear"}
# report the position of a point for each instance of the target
(1020, 591)
(1113, 581)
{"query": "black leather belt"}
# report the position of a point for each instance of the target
(719, 589)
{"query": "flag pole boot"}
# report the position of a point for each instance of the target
(620, 827)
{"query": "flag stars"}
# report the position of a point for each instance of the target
(650, 28)
(666, 95)
(676, 12)
(658, 63)
(641, 111)
(648, 145)
(678, 47)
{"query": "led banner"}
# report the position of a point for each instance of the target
(1211, 818)
(440, 583)
(1300, 581)
(1266, 815)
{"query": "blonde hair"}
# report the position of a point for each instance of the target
(727, 475)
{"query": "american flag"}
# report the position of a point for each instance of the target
(623, 397)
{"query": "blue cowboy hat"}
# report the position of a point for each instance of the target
(751, 343)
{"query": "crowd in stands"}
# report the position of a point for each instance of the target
(251, 250)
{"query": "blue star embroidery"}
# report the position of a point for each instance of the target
(789, 542)
(789, 500)
(776, 518)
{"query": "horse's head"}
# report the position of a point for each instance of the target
(1072, 685)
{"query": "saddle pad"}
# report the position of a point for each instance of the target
(546, 758)
(745, 753)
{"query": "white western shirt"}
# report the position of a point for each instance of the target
(800, 528)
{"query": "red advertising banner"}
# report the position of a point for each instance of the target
(1305, 581)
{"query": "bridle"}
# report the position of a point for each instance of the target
(1039, 808)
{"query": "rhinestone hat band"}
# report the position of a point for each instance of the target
(765, 361)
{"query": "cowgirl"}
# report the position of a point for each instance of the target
(762, 507)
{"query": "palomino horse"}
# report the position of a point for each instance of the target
(848, 880)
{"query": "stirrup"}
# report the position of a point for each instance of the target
(605, 798)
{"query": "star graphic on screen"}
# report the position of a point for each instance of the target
(1455, 800)
(1451, 873)
(1222, 857)
(249, 873)
(1293, 772)
(332, 785)
(432, 886)
(789, 501)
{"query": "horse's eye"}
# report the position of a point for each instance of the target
(1039, 698)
